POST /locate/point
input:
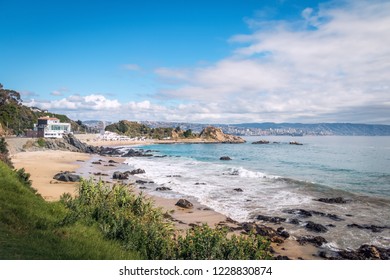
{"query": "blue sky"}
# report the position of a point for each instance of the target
(200, 61)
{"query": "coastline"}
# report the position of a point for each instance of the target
(43, 165)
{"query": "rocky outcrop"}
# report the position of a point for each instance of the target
(364, 252)
(315, 240)
(261, 142)
(225, 158)
(373, 228)
(67, 177)
(333, 200)
(184, 203)
(213, 134)
(120, 176)
(311, 226)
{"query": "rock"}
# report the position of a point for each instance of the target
(293, 221)
(112, 161)
(174, 176)
(308, 213)
(136, 153)
(120, 176)
(143, 182)
(261, 142)
(276, 220)
(333, 200)
(315, 227)
(216, 135)
(163, 189)
(238, 190)
(184, 203)
(197, 184)
(373, 228)
(225, 158)
(96, 162)
(316, 240)
(299, 212)
(67, 177)
(282, 232)
(137, 171)
(283, 258)
(365, 252)
(295, 143)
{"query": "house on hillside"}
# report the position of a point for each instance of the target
(49, 127)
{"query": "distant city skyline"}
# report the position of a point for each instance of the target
(229, 61)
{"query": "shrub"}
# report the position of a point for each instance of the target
(133, 220)
(41, 142)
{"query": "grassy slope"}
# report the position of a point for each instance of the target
(30, 228)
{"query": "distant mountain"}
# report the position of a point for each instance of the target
(317, 129)
(292, 129)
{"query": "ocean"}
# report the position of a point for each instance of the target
(278, 178)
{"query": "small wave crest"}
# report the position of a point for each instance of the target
(245, 173)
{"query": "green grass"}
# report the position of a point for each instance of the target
(31, 228)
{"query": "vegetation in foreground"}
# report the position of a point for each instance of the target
(138, 225)
(103, 222)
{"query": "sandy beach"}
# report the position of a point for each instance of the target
(43, 165)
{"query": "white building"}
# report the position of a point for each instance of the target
(52, 127)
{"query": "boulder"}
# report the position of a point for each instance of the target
(373, 228)
(315, 240)
(119, 175)
(67, 177)
(261, 142)
(333, 200)
(315, 227)
(276, 220)
(184, 203)
(238, 190)
(225, 158)
(163, 189)
(137, 171)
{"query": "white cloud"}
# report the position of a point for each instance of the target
(338, 59)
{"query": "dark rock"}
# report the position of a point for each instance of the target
(295, 143)
(308, 213)
(163, 189)
(373, 228)
(100, 174)
(316, 240)
(365, 252)
(261, 142)
(96, 162)
(143, 182)
(120, 176)
(293, 221)
(276, 220)
(137, 171)
(225, 158)
(67, 177)
(238, 190)
(112, 161)
(142, 188)
(136, 153)
(184, 203)
(299, 212)
(197, 184)
(333, 200)
(174, 176)
(315, 227)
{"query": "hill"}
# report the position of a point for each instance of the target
(16, 118)
(208, 134)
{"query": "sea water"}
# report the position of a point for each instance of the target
(278, 176)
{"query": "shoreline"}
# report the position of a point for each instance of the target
(43, 165)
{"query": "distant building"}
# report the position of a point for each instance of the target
(48, 127)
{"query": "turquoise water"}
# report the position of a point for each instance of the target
(279, 176)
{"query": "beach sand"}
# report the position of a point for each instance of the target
(43, 165)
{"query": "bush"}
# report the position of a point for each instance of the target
(133, 220)
(41, 142)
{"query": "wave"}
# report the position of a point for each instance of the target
(245, 173)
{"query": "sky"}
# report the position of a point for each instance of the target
(200, 61)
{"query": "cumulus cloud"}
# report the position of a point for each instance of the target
(335, 60)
